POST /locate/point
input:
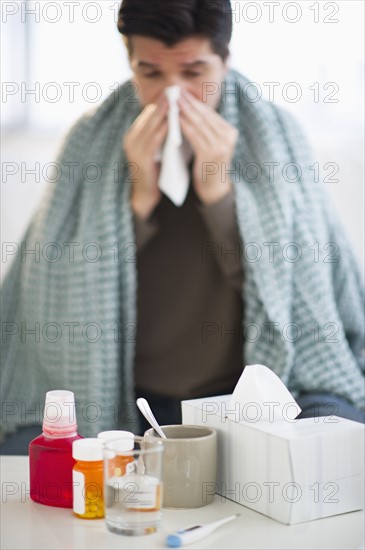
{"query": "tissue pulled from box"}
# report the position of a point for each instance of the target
(263, 397)
(176, 154)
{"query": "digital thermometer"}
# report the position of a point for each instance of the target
(196, 532)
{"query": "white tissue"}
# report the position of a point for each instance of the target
(261, 393)
(175, 156)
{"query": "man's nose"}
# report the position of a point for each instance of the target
(175, 80)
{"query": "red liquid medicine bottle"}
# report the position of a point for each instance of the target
(50, 454)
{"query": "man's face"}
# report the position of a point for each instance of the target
(188, 64)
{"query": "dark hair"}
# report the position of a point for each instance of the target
(171, 21)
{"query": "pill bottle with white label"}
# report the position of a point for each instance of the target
(119, 465)
(88, 478)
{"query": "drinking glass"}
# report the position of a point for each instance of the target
(133, 494)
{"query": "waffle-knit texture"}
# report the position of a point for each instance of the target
(304, 318)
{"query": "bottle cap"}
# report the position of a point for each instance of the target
(126, 439)
(120, 445)
(89, 449)
(59, 417)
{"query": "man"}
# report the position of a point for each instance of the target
(173, 359)
(239, 274)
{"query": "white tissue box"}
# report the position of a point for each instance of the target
(290, 471)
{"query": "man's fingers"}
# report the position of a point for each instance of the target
(150, 118)
(198, 129)
(203, 112)
(213, 121)
(142, 118)
(209, 124)
(159, 135)
(198, 142)
(152, 113)
(147, 134)
(157, 120)
(157, 114)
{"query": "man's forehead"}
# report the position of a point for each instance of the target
(154, 52)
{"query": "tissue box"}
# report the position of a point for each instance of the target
(290, 471)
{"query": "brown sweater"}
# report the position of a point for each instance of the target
(190, 311)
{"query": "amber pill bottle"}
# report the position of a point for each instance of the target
(88, 478)
(120, 463)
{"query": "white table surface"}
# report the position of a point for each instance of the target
(25, 524)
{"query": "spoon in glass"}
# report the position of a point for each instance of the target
(145, 409)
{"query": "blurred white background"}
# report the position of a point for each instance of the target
(51, 48)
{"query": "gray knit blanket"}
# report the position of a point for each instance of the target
(69, 310)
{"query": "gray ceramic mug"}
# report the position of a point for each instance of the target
(189, 465)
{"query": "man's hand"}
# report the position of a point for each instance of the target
(141, 143)
(213, 141)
